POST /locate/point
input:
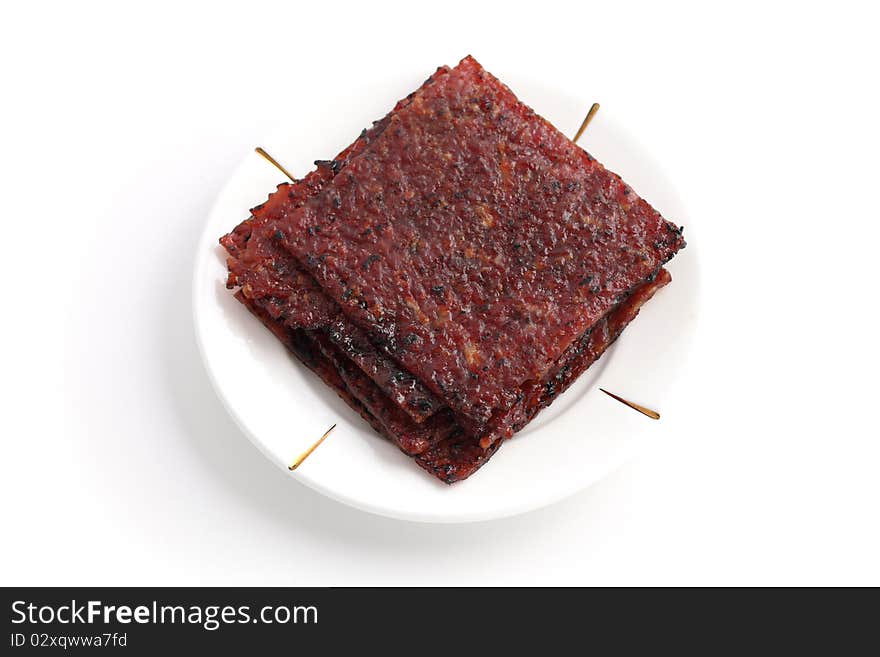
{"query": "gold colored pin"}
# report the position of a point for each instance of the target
(302, 457)
(587, 119)
(274, 162)
(654, 415)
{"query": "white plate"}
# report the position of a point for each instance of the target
(282, 407)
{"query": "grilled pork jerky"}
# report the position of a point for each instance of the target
(538, 394)
(288, 299)
(412, 437)
(475, 243)
(458, 457)
(275, 282)
(278, 285)
(440, 446)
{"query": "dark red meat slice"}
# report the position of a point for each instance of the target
(277, 284)
(353, 388)
(274, 281)
(456, 458)
(413, 438)
(475, 243)
(580, 355)
(279, 290)
(451, 459)
(459, 457)
(439, 446)
(538, 394)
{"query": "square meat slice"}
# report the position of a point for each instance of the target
(354, 387)
(459, 456)
(412, 437)
(276, 283)
(272, 279)
(475, 243)
(439, 445)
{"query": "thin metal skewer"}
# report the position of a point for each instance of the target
(654, 415)
(587, 119)
(274, 162)
(302, 457)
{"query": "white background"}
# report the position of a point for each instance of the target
(121, 123)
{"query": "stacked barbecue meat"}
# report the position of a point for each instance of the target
(453, 270)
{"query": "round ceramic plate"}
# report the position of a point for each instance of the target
(283, 408)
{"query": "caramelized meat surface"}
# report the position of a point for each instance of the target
(453, 270)
(273, 280)
(277, 284)
(474, 242)
(440, 446)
